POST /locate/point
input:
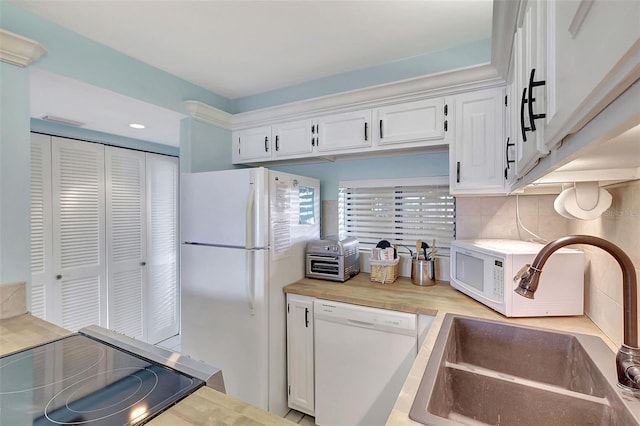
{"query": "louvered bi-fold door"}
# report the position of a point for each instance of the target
(42, 274)
(126, 245)
(79, 232)
(162, 245)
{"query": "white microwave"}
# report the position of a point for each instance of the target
(485, 271)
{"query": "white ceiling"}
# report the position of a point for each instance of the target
(242, 48)
(100, 109)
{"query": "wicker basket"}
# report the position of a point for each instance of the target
(384, 271)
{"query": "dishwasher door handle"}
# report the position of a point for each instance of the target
(361, 323)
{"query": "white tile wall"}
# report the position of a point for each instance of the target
(494, 217)
(620, 224)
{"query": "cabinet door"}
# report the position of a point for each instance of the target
(79, 255)
(478, 152)
(530, 73)
(253, 144)
(597, 47)
(410, 122)
(293, 138)
(126, 245)
(346, 131)
(162, 311)
(300, 359)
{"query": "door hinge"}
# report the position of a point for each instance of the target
(505, 100)
(289, 389)
(287, 308)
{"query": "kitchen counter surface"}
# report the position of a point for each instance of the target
(204, 407)
(436, 300)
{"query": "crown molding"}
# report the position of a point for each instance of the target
(440, 84)
(208, 114)
(433, 85)
(18, 50)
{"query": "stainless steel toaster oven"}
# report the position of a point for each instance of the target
(332, 259)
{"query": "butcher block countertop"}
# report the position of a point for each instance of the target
(436, 300)
(204, 407)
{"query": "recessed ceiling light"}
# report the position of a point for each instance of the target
(137, 126)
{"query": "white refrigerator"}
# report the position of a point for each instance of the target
(243, 235)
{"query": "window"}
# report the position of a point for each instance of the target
(401, 211)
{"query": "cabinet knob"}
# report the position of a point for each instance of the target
(143, 263)
(58, 277)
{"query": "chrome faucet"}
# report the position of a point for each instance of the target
(628, 358)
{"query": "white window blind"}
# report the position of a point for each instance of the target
(401, 214)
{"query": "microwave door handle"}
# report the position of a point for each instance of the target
(249, 216)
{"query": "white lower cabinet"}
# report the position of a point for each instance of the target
(300, 358)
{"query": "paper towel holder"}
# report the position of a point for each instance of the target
(582, 201)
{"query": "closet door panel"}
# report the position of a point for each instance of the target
(162, 242)
(42, 274)
(126, 245)
(78, 194)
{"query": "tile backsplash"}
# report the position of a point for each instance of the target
(495, 217)
(620, 224)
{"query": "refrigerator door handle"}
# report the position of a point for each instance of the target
(249, 225)
(251, 280)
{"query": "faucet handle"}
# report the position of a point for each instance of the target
(522, 272)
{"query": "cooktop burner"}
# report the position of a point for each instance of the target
(78, 380)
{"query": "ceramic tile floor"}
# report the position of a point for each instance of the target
(173, 344)
(300, 418)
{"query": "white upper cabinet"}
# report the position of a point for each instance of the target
(597, 56)
(530, 74)
(344, 131)
(252, 144)
(416, 121)
(292, 138)
(478, 151)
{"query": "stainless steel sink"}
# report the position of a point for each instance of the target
(487, 372)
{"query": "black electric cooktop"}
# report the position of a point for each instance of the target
(78, 380)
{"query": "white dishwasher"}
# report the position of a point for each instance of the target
(362, 356)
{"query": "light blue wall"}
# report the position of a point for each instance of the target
(204, 147)
(466, 55)
(82, 59)
(15, 230)
(406, 166)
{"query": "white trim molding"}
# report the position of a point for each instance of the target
(208, 114)
(444, 83)
(18, 50)
(581, 14)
